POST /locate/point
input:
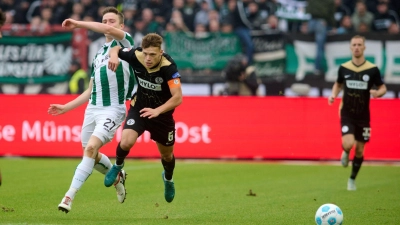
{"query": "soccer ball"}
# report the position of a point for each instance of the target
(329, 214)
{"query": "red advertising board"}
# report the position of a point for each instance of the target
(207, 127)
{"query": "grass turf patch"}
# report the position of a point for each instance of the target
(206, 193)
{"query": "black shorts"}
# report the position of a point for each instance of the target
(360, 129)
(161, 128)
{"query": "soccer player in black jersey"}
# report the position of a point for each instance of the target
(158, 94)
(358, 78)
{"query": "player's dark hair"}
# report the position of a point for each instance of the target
(152, 40)
(358, 36)
(114, 10)
(2, 18)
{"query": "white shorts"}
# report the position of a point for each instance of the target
(102, 122)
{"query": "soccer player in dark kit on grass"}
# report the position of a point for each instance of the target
(357, 78)
(158, 94)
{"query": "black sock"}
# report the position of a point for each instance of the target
(356, 166)
(169, 168)
(121, 155)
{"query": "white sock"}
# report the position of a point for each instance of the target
(82, 172)
(104, 164)
(168, 180)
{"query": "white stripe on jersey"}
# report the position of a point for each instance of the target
(109, 87)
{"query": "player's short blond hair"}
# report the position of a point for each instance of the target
(358, 36)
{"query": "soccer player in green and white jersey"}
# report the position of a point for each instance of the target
(106, 108)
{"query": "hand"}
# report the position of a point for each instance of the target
(56, 109)
(149, 112)
(70, 24)
(374, 93)
(113, 63)
(331, 99)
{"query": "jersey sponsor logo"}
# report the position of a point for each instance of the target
(355, 84)
(365, 77)
(148, 85)
(347, 76)
(100, 61)
(159, 80)
(175, 75)
(126, 49)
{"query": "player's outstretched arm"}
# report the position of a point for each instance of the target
(381, 91)
(337, 87)
(113, 62)
(58, 109)
(116, 33)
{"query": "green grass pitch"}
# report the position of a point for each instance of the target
(207, 192)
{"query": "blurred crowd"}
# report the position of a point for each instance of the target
(199, 16)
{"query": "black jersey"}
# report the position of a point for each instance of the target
(357, 82)
(153, 89)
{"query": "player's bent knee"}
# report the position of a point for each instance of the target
(126, 144)
(90, 151)
(347, 146)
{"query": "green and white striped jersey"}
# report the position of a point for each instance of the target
(111, 88)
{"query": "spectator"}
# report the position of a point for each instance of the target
(47, 16)
(341, 10)
(254, 16)
(62, 10)
(176, 22)
(214, 26)
(322, 18)
(264, 9)
(393, 29)
(152, 26)
(361, 16)
(384, 18)
(139, 31)
(129, 18)
(201, 16)
(226, 27)
(161, 10)
(200, 31)
(90, 7)
(363, 28)
(2, 20)
(20, 13)
(345, 26)
(221, 7)
(78, 10)
(189, 12)
(272, 24)
(242, 27)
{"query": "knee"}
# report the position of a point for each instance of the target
(167, 156)
(126, 144)
(347, 145)
(90, 151)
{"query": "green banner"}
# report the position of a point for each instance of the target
(211, 52)
(35, 60)
(269, 54)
